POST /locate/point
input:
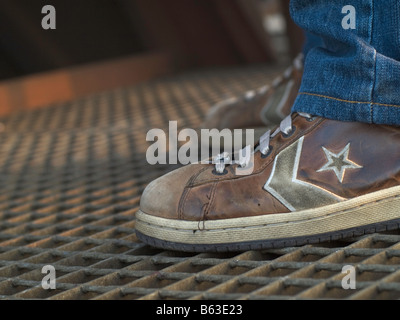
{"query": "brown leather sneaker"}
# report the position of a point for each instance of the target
(263, 107)
(313, 180)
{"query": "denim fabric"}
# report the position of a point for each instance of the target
(350, 74)
(312, 41)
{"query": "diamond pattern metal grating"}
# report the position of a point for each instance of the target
(71, 177)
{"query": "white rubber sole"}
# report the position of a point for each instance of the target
(363, 214)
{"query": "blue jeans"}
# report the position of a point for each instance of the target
(350, 74)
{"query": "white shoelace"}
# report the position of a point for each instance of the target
(287, 74)
(224, 159)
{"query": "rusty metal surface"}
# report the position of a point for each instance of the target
(71, 177)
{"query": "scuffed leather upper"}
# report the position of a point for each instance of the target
(370, 161)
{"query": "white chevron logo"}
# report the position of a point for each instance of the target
(295, 194)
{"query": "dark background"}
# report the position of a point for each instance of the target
(198, 33)
(101, 45)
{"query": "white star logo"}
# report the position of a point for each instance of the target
(338, 163)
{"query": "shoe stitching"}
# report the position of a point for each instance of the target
(186, 192)
(207, 206)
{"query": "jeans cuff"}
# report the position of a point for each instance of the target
(346, 110)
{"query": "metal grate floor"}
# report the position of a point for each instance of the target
(71, 177)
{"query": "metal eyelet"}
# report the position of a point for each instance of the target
(263, 156)
(290, 133)
(214, 172)
(311, 119)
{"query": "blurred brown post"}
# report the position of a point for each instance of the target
(294, 32)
